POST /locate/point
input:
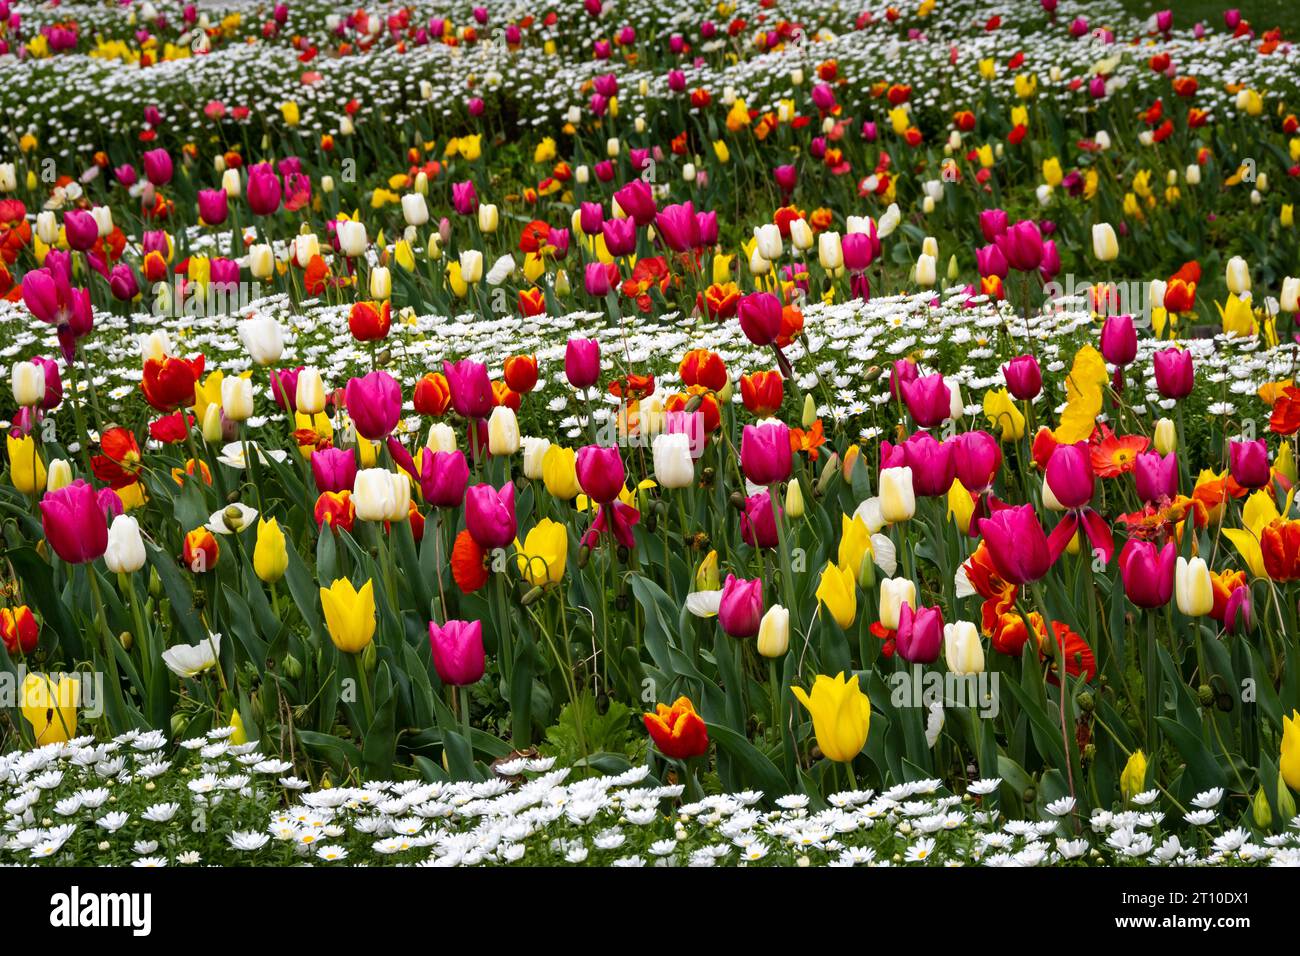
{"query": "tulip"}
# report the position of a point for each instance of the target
(237, 398)
(841, 715)
(1023, 377)
(1238, 276)
(560, 473)
(677, 731)
(760, 317)
(74, 523)
(264, 190)
(1193, 588)
(1248, 463)
(190, 660)
(637, 200)
(1017, 544)
(1289, 764)
(758, 522)
(962, 651)
(349, 614)
(28, 382)
(774, 632)
(1104, 244)
(1148, 573)
(381, 495)
(794, 503)
(263, 338)
(490, 515)
(414, 209)
(830, 251)
(124, 552)
(50, 708)
(158, 166)
(1022, 246)
(1165, 438)
(1156, 476)
(926, 273)
(443, 477)
(1174, 375)
(503, 431)
(601, 473)
(765, 454)
(928, 399)
(374, 403)
(60, 475)
(920, 634)
(1133, 778)
(582, 362)
(1119, 340)
(309, 392)
(471, 266)
(837, 592)
(673, 465)
(470, 387)
(740, 608)
(334, 469)
(535, 450)
(541, 558)
(351, 237)
(1069, 478)
(19, 630)
(897, 496)
(213, 206)
(977, 458)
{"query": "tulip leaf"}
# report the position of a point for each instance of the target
(305, 592)
(1205, 770)
(178, 591)
(380, 742)
(38, 584)
(756, 770)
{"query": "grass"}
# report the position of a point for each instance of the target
(1262, 14)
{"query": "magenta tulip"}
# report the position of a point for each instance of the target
(214, 206)
(740, 609)
(1174, 374)
(765, 454)
(490, 515)
(1017, 544)
(1148, 573)
(993, 223)
(600, 473)
(333, 469)
(1248, 463)
(582, 362)
(928, 400)
(457, 648)
(74, 522)
(920, 634)
(470, 387)
(1069, 475)
(158, 166)
(443, 477)
(1156, 476)
(977, 458)
(637, 201)
(1119, 340)
(263, 190)
(758, 522)
(80, 229)
(620, 236)
(1024, 378)
(374, 403)
(932, 462)
(1022, 245)
(760, 317)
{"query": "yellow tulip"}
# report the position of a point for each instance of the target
(560, 473)
(1052, 173)
(721, 151)
(207, 393)
(543, 553)
(837, 590)
(1133, 779)
(961, 506)
(51, 708)
(1260, 509)
(1003, 415)
(26, 470)
(1238, 319)
(270, 557)
(707, 577)
(290, 113)
(1290, 762)
(349, 614)
(841, 715)
(856, 552)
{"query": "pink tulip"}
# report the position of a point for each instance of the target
(786, 177)
(765, 454)
(123, 283)
(443, 477)
(457, 648)
(977, 456)
(920, 634)
(757, 522)
(582, 362)
(1119, 340)
(490, 515)
(213, 206)
(740, 608)
(1248, 463)
(470, 387)
(1069, 475)
(1023, 377)
(464, 197)
(1022, 245)
(80, 229)
(990, 261)
(264, 190)
(993, 223)
(591, 216)
(74, 522)
(1174, 373)
(637, 201)
(1017, 544)
(374, 403)
(333, 469)
(158, 166)
(928, 400)
(600, 473)
(932, 462)
(858, 251)
(1147, 573)
(677, 227)
(1156, 476)
(760, 317)
(620, 236)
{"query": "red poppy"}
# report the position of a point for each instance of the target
(469, 566)
(370, 321)
(119, 465)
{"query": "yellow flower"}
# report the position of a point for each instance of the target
(51, 708)
(349, 614)
(707, 576)
(1052, 172)
(457, 282)
(290, 113)
(545, 151)
(900, 120)
(721, 151)
(1290, 762)
(1259, 510)
(985, 154)
(1133, 779)
(856, 553)
(1287, 216)
(738, 117)
(543, 553)
(240, 736)
(1238, 319)
(841, 715)
(1026, 85)
(1019, 116)
(989, 68)
(471, 147)
(270, 557)
(837, 590)
(206, 393)
(26, 470)
(560, 473)
(403, 255)
(1003, 415)
(961, 506)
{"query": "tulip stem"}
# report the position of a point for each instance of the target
(101, 623)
